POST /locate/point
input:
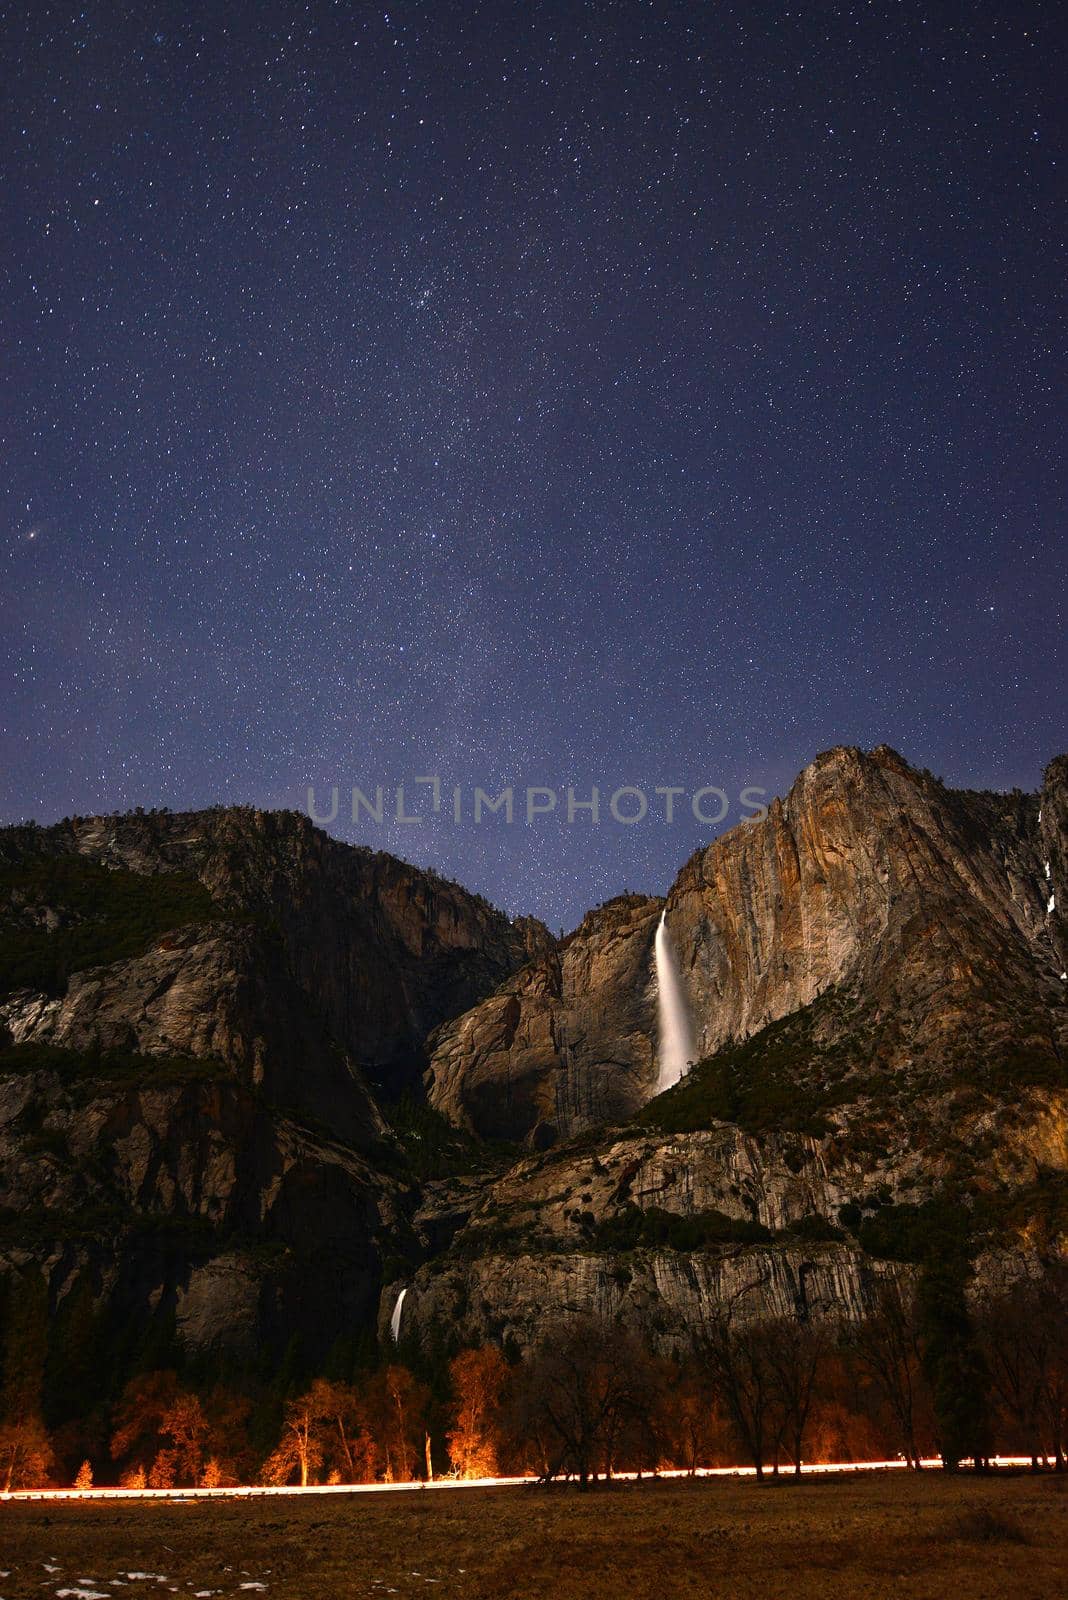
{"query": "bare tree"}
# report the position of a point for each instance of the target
(693, 1417)
(300, 1449)
(587, 1383)
(796, 1354)
(736, 1354)
(394, 1406)
(1016, 1342)
(1054, 1322)
(637, 1427)
(886, 1348)
(474, 1440)
(1024, 1334)
(184, 1429)
(25, 1449)
(25, 1453)
(345, 1442)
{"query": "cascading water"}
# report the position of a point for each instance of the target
(394, 1321)
(676, 1036)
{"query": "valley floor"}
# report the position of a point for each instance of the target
(868, 1538)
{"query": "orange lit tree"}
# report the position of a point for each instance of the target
(475, 1438)
(26, 1457)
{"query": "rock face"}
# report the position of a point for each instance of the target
(207, 1020)
(223, 993)
(193, 1128)
(875, 876)
(561, 1201)
(566, 1044)
(380, 950)
(1053, 848)
(666, 1295)
(868, 878)
(194, 1205)
(756, 1218)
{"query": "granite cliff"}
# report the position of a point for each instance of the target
(930, 908)
(199, 1012)
(219, 1028)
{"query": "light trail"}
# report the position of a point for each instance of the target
(256, 1491)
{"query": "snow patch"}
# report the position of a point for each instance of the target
(1052, 905)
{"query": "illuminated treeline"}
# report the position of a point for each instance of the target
(923, 1375)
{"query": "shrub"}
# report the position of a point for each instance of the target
(782, 1078)
(427, 1146)
(914, 1230)
(75, 1067)
(813, 1228)
(632, 1229)
(104, 916)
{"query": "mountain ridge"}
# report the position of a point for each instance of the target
(217, 1130)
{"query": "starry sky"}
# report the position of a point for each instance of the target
(531, 394)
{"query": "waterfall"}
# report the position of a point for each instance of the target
(394, 1321)
(676, 1038)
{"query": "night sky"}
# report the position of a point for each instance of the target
(534, 394)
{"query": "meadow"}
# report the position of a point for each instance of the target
(879, 1536)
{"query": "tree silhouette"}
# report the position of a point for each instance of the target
(886, 1348)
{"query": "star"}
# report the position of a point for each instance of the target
(585, 405)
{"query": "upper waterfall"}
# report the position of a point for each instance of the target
(676, 1046)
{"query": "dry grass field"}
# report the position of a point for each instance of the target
(875, 1536)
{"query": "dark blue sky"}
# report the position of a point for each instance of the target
(533, 394)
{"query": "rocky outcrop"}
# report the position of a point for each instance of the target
(873, 876)
(199, 1123)
(381, 951)
(223, 993)
(565, 1045)
(188, 1118)
(1053, 849)
(769, 1219)
(931, 905)
(192, 1203)
(666, 1295)
(560, 1200)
